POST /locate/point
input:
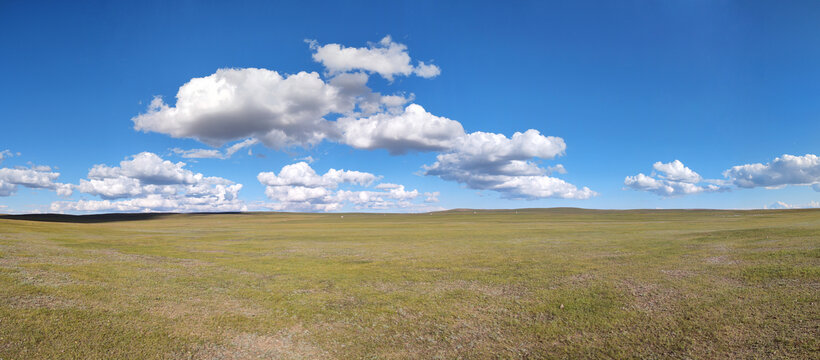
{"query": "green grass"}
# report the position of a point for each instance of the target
(552, 283)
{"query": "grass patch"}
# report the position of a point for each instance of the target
(531, 283)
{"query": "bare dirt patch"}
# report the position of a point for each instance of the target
(678, 274)
(196, 307)
(39, 277)
(721, 260)
(573, 280)
(649, 297)
(483, 288)
(287, 344)
(40, 302)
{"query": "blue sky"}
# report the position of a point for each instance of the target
(614, 90)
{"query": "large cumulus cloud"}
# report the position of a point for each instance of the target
(232, 104)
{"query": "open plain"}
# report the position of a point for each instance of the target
(529, 283)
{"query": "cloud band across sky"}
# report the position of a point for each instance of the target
(674, 179)
(282, 111)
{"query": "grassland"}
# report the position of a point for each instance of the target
(551, 283)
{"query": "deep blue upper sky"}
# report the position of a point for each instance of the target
(626, 84)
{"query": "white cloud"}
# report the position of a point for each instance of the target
(399, 193)
(293, 110)
(557, 169)
(412, 129)
(482, 149)
(215, 154)
(260, 105)
(5, 154)
(354, 92)
(232, 104)
(7, 188)
(386, 58)
(427, 70)
(146, 182)
(298, 187)
(779, 205)
(149, 169)
(301, 174)
(674, 179)
(539, 187)
(783, 205)
(308, 159)
(784, 170)
(115, 187)
(676, 171)
(666, 188)
(488, 161)
(198, 153)
(34, 177)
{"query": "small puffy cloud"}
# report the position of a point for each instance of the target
(34, 177)
(149, 169)
(412, 129)
(146, 182)
(37, 177)
(114, 187)
(496, 151)
(297, 187)
(676, 171)
(386, 58)
(672, 179)
(399, 193)
(487, 161)
(666, 188)
(539, 187)
(784, 170)
(301, 174)
(427, 70)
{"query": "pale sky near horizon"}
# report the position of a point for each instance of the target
(408, 106)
